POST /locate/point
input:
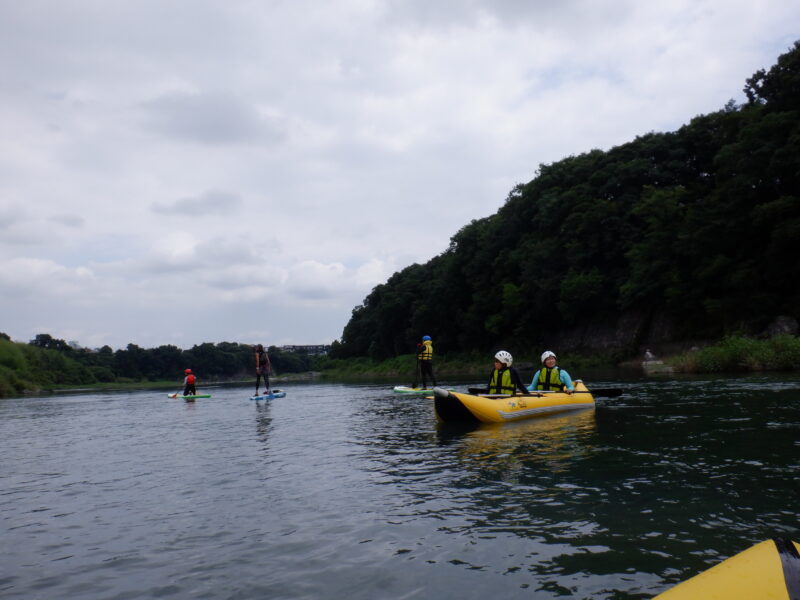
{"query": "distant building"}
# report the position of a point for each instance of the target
(313, 350)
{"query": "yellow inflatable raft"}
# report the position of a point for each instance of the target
(488, 408)
(769, 570)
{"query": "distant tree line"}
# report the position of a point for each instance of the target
(225, 360)
(699, 226)
(47, 361)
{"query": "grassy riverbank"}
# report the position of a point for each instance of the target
(738, 354)
(27, 370)
(462, 366)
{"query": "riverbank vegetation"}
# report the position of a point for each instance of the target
(671, 239)
(47, 363)
(25, 368)
(738, 354)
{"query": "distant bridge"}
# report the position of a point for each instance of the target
(314, 350)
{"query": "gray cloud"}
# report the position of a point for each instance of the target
(210, 118)
(565, 14)
(207, 203)
(68, 220)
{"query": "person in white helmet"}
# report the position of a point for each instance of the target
(550, 377)
(505, 379)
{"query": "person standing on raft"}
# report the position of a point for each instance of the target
(425, 362)
(188, 383)
(263, 367)
(550, 377)
(505, 379)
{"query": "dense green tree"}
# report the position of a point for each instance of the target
(698, 226)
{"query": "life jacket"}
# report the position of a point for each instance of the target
(550, 380)
(426, 352)
(501, 382)
(190, 379)
(263, 359)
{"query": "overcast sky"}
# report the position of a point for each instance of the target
(188, 171)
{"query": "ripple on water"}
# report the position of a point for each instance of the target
(347, 490)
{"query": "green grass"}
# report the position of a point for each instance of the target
(738, 354)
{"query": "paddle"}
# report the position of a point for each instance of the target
(417, 375)
(600, 392)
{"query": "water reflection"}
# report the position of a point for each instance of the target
(563, 435)
(263, 421)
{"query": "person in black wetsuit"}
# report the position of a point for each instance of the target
(262, 367)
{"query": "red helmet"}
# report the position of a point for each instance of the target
(188, 371)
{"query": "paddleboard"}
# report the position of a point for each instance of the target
(182, 397)
(275, 394)
(402, 389)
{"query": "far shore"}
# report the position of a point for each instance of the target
(735, 355)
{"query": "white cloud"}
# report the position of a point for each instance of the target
(159, 188)
(24, 277)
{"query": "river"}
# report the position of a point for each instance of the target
(351, 491)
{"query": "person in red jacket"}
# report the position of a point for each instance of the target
(188, 384)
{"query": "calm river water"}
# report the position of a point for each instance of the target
(351, 491)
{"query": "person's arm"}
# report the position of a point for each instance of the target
(567, 381)
(532, 386)
(518, 382)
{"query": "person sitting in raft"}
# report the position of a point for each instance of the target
(505, 379)
(425, 361)
(263, 367)
(188, 383)
(550, 377)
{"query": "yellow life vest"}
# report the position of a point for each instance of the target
(426, 352)
(501, 383)
(550, 379)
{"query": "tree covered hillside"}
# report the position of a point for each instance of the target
(677, 236)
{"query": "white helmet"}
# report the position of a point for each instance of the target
(504, 357)
(547, 354)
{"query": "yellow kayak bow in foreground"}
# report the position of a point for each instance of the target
(769, 570)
